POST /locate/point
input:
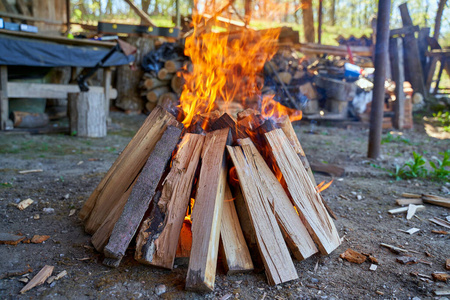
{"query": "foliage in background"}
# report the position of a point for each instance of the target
(444, 119)
(391, 138)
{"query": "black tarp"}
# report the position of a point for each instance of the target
(21, 51)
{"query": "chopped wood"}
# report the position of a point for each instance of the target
(303, 192)
(440, 222)
(274, 252)
(185, 241)
(39, 279)
(153, 95)
(151, 83)
(177, 83)
(353, 256)
(294, 231)
(226, 121)
(30, 171)
(440, 276)
(400, 210)
(246, 112)
(149, 106)
(207, 212)
(330, 169)
(234, 251)
(393, 248)
(157, 240)
(61, 275)
(24, 203)
(173, 65)
(407, 201)
(37, 239)
(411, 211)
(436, 200)
(447, 264)
(10, 239)
(407, 260)
(140, 197)
(410, 231)
(124, 170)
(101, 236)
(439, 231)
(410, 195)
(168, 98)
(164, 74)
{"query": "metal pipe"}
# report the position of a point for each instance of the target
(381, 57)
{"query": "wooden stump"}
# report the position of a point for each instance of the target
(87, 114)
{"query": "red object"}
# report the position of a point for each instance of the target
(350, 54)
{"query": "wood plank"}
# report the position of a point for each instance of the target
(48, 90)
(4, 104)
(39, 279)
(272, 247)
(303, 192)
(125, 169)
(404, 209)
(294, 231)
(140, 197)
(233, 248)
(101, 236)
(207, 212)
(406, 201)
(158, 236)
(436, 200)
(145, 19)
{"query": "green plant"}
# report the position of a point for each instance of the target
(440, 170)
(6, 184)
(416, 167)
(391, 138)
(444, 119)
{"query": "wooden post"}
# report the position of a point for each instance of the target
(107, 87)
(396, 54)
(381, 56)
(207, 212)
(412, 56)
(87, 114)
(441, 69)
(140, 197)
(4, 104)
(424, 35)
(319, 26)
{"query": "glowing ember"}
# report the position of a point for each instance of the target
(323, 186)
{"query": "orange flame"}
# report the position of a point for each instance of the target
(273, 109)
(225, 67)
(323, 186)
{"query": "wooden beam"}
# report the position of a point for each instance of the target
(4, 103)
(233, 248)
(274, 252)
(303, 192)
(107, 87)
(403, 30)
(48, 90)
(125, 169)
(140, 197)
(207, 212)
(142, 14)
(157, 241)
(398, 75)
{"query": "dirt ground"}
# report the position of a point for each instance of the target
(72, 167)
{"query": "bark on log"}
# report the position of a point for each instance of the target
(173, 65)
(87, 114)
(163, 74)
(140, 197)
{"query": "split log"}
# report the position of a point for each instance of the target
(149, 106)
(234, 251)
(101, 236)
(436, 200)
(153, 95)
(140, 197)
(163, 74)
(177, 83)
(124, 170)
(173, 65)
(294, 232)
(207, 213)
(274, 252)
(303, 192)
(151, 83)
(23, 119)
(407, 201)
(226, 121)
(157, 241)
(39, 279)
(167, 98)
(185, 241)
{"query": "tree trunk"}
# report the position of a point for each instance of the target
(145, 5)
(333, 13)
(437, 22)
(308, 20)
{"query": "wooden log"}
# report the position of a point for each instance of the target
(436, 200)
(87, 114)
(167, 98)
(294, 232)
(153, 95)
(163, 74)
(39, 279)
(157, 240)
(151, 83)
(177, 83)
(234, 251)
(226, 121)
(303, 192)
(398, 75)
(207, 213)
(149, 106)
(245, 113)
(173, 65)
(101, 236)
(407, 201)
(29, 120)
(124, 170)
(140, 197)
(274, 252)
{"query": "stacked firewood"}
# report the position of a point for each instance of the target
(165, 86)
(246, 181)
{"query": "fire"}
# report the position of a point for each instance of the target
(323, 186)
(226, 67)
(273, 109)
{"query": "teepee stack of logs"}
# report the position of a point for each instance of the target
(241, 189)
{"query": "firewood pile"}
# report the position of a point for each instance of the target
(178, 191)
